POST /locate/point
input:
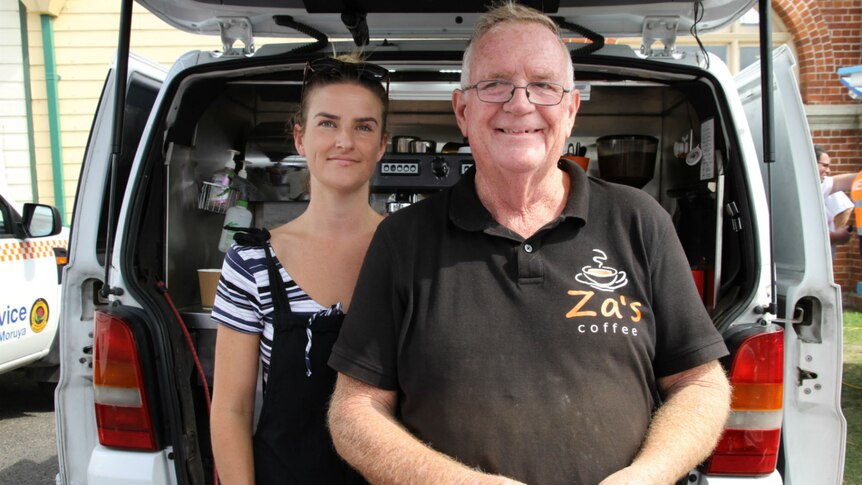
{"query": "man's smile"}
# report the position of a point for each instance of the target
(516, 131)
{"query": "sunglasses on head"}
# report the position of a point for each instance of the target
(331, 66)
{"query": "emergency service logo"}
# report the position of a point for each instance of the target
(601, 276)
(39, 315)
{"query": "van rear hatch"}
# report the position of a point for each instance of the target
(440, 19)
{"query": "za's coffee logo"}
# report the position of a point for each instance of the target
(601, 276)
(590, 304)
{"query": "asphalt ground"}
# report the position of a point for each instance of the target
(28, 449)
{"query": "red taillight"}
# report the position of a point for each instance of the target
(122, 413)
(749, 444)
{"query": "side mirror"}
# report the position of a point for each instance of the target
(41, 220)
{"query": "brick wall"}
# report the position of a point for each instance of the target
(828, 35)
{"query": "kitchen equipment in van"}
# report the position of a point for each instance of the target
(402, 179)
(216, 197)
(423, 146)
(576, 154)
(402, 144)
(627, 159)
(451, 147)
(291, 172)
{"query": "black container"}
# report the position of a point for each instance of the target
(627, 159)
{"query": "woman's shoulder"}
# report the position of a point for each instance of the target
(245, 261)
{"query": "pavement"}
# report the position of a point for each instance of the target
(28, 449)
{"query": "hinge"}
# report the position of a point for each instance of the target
(236, 29)
(660, 29)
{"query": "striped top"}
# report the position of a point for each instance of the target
(244, 302)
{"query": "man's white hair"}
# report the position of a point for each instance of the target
(509, 11)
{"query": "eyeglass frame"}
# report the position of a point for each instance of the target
(330, 65)
(514, 87)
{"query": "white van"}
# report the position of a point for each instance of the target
(132, 402)
(32, 257)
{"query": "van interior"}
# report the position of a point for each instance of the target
(662, 130)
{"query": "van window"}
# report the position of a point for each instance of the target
(6, 219)
(140, 97)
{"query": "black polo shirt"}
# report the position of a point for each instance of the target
(538, 358)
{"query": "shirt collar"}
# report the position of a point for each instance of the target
(467, 212)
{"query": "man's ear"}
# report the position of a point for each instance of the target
(459, 106)
(572, 111)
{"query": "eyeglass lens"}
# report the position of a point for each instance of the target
(540, 93)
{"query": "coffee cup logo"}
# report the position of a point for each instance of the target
(601, 276)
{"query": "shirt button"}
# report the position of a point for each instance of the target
(528, 248)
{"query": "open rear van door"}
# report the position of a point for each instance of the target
(809, 301)
(76, 423)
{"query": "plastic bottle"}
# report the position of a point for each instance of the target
(245, 188)
(220, 197)
(236, 216)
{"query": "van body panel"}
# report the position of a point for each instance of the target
(75, 416)
(808, 298)
(111, 467)
(773, 478)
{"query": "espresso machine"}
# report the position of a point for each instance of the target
(401, 179)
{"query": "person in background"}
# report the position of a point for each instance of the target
(341, 131)
(856, 197)
(829, 183)
(838, 205)
(529, 324)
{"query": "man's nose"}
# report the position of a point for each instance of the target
(520, 101)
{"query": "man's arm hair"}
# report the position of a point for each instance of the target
(367, 435)
(684, 430)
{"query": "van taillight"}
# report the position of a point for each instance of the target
(749, 445)
(122, 412)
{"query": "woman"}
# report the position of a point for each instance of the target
(341, 131)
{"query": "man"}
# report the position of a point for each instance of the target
(830, 184)
(836, 202)
(525, 325)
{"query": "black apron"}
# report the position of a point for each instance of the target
(292, 444)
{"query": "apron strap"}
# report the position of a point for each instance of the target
(259, 237)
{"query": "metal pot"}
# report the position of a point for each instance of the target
(401, 144)
(423, 146)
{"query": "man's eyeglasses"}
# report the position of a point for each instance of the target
(331, 66)
(538, 93)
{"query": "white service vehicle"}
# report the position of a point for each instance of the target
(132, 404)
(32, 257)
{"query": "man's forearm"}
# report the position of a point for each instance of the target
(368, 437)
(685, 429)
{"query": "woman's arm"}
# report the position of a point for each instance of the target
(237, 356)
